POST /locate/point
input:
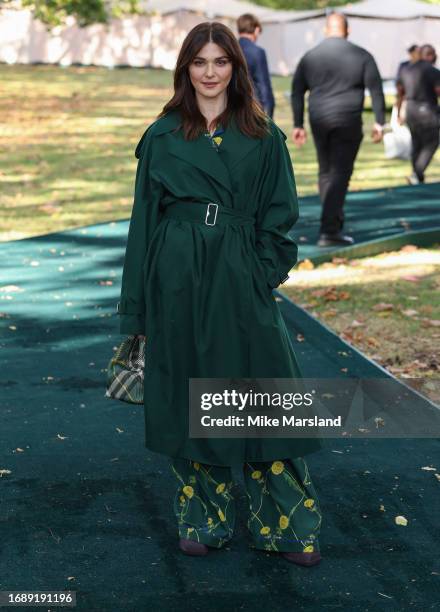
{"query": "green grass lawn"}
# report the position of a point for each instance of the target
(67, 139)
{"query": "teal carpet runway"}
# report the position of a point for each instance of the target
(84, 506)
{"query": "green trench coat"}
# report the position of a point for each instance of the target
(202, 294)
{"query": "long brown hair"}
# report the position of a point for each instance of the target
(250, 118)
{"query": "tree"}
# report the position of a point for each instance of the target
(300, 5)
(310, 4)
(86, 12)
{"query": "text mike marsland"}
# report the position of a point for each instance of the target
(265, 421)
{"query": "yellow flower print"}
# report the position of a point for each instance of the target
(309, 503)
(189, 491)
(265, 530)
(210, 521)
(277, 467)
(220, 488)
(284, 521)
(190, 529)
(221, 515)
(182, 498)
(309, 548)
(256, 474)
(196, 466)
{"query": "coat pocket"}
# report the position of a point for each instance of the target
(260, 276)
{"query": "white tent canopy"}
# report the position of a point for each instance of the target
(210, 9)
(392, 9)
(385, 27)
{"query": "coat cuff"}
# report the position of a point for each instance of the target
(275, 277)
(275, 280)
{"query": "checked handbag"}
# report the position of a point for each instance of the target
(125, 371)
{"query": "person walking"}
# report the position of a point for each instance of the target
(249, 29)
(414, 56)
(419, 85)
(207, 243)
(336, 73)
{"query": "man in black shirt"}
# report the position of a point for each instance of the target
(336, 73)
(419, 83)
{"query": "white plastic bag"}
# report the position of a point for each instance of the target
(397, 143)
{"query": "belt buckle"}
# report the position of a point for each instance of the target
(207, 213)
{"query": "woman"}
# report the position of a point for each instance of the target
(214, 199)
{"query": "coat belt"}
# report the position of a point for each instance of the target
(207, 213)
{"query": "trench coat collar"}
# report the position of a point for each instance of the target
(234, 148)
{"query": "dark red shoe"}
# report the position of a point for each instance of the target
(301, 558)
(190, 547)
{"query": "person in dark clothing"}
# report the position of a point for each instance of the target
(414, 56)
(419, 84)
(249, 28)
(336, 73)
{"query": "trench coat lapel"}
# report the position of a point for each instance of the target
(234, 148)
(199, 152)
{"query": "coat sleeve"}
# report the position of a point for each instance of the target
(145, 216)
(277, 213)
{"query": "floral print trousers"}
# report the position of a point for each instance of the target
(284, 512)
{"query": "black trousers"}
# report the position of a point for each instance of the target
(336, 147)
(423, 124)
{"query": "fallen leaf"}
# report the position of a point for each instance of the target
(381, 306)
(344, 295)
(437, 476)
(410, 312)
(410, 278)
(356, 323)
(401, 520)
(4, 472)
(61, 437)
(300, 337)
(428, 468)
(119, 430)
(372, 341)
(431, 322)
(382, 508)
(306, 265)
(318, 292)
(331, 312)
